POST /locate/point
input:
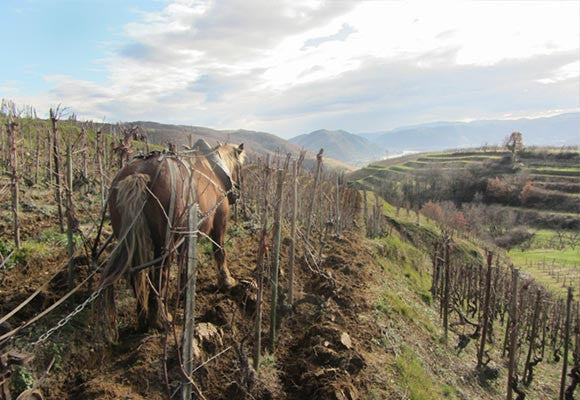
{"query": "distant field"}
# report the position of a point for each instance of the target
(555, 266)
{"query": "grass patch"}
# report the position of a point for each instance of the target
(391, 302)
(540, 255)
(416, 380)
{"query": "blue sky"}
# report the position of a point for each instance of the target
(69, 37)
(292, 66)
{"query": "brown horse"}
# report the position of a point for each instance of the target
(156, 189)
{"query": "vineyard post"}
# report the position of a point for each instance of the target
(527, 368)
(100, 147)
(566, 340)
(485, 311)
(312, 198)
(434, 279)
(546, 317)
(338, 219)
(83, 140)
(189, 317)
(260, 268)
(37, 155)
(54, 115)
(446, 293)
(276, 258)
(292, 249)
(366, 212)
(3, 147)
(69, 216)
(513, 328)
(49, 172)
(12, 128)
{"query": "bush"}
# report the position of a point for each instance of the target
(517, 237)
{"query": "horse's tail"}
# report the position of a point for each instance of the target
(134, 247)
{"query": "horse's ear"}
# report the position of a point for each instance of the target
(240, 153)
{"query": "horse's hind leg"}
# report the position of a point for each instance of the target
(158, 275)
(225, 279)
(141, 290)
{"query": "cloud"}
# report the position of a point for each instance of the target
(362, 66)
(345, 31)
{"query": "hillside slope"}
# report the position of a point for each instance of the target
(256, 143)
(340, 145)
(363, 327)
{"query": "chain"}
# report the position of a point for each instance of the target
(67, 319)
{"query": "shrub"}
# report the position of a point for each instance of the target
(517, 237)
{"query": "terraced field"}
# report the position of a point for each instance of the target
(553, 174)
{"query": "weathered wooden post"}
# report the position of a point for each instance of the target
(338, 221)
(566, 344)
(292, 249)
(189, 316)
(37, 155)
(527, 368)
(12, 129)
(366, 213)
(260, 268)
(513, 329)
(446, 290)
(435, 276)
(85, 150)
(99, 151)
(54, 116)
(312, 198)
(276, 258)
(485, 312)
(70, 217)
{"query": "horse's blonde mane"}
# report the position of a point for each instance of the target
(230, 156)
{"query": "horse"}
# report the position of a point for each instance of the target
(148, 203)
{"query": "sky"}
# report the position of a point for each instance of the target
(291, 67)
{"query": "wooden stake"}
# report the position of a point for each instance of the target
(566, 343)
(276, 259)
(513, 333)
(485, 312)
(55, 151)
(189, 316)
(446, 293)
(70, 217)
(292, 249)
(312, 198)
(527, 372)
(260, 269)
(12, 128)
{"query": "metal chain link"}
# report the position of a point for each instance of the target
(66, 320)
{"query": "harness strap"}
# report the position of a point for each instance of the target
(171, 210)
(220, 168)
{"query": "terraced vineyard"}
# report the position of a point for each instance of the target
(538, 190)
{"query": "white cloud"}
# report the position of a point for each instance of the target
(569, 71)
(291, 66)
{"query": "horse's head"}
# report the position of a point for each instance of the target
(233, 157)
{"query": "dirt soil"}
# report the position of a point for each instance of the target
(319, 353)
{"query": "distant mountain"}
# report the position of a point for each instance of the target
(559, 130)
(340, 145)
(257, 144)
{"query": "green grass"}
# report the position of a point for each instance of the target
(547, 264)
(417, 381)
(561, 257)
